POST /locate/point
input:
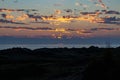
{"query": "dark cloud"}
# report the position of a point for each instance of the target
(71, 29)
(116, 23)
(36, 17)
(112, 12)
(101, 12)
(3, 15)
(87, 32)
(111, 20)
(42, 22)
(26, 28)
(10, 21)
(106, 29)
(94, 12)
(85, 13)
(68, 10)
(25, 10)
(4, 9)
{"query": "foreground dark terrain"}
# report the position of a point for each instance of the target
(91, 63)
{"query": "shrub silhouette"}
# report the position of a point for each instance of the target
(29, 70)
(104, 68)
(95, 63)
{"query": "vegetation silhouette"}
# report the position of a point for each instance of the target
(60, 63)
(104, 67)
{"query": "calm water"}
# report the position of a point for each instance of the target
(35, 46)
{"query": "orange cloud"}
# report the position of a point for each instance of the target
(22, 18)
(9, 16)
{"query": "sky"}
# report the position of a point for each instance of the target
(60, 19)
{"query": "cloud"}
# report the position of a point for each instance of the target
(102, 12)
(58, 12)
(42, 22)
(86, 13)
(2, 0)
(10, 21)
(8, 16)
(111, 20)
(35, 17)
(112, 12)
(59, 16)
(103, 29)
(79, 31)
(57, 4)
(3, 15)
(68, 10)
(60, 32)
(6, 10)
(26, 28)
(99, 3)
(15, 1)
(18, 10)
(22, 17)
(82, 5)
(92, 30)
(102, 4)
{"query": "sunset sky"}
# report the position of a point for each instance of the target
(60, 19)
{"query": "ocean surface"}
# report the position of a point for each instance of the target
(36, 46)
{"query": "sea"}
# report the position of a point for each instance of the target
(37, 46)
